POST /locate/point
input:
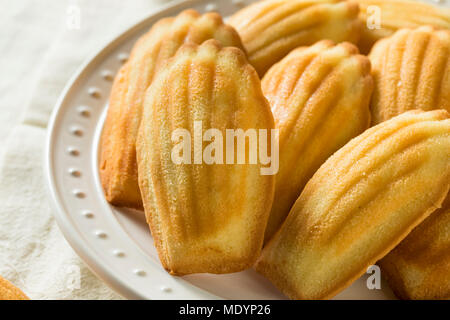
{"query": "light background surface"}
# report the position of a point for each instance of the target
(39, 52)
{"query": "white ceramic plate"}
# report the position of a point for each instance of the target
(116, 243)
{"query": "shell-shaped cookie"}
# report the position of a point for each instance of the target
(419, 267)
(381, 18)
(10, 292)
(270, 29)
(319, 97)
(360, 204)
(411, 70)
(205, 215)
(118, 170)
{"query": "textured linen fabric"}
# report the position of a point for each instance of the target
(42, 43)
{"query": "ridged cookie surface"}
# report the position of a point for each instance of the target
(394, 15)
(360, 204)
(10, 292)
(419, 267)
(204, 217)
(411, 70)
(270, 29)
(319, 97)
(118, 170)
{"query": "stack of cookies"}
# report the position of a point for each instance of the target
(350, 164)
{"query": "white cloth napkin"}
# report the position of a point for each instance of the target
(42, 44)
(41, 47)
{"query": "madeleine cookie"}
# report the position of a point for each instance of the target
(419, 267)
(205, 214)
(411, 70)
(270, 29)
(118, 170)
(381, 18)
(360, 204)
(9, 292)
(319, 97)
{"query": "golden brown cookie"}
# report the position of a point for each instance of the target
(381, 18)
(9, 292)
(319, 97)
(205, 216)
(411, 70)
(270, 29)
(419, 267)
(360, 204)
(118, 170)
